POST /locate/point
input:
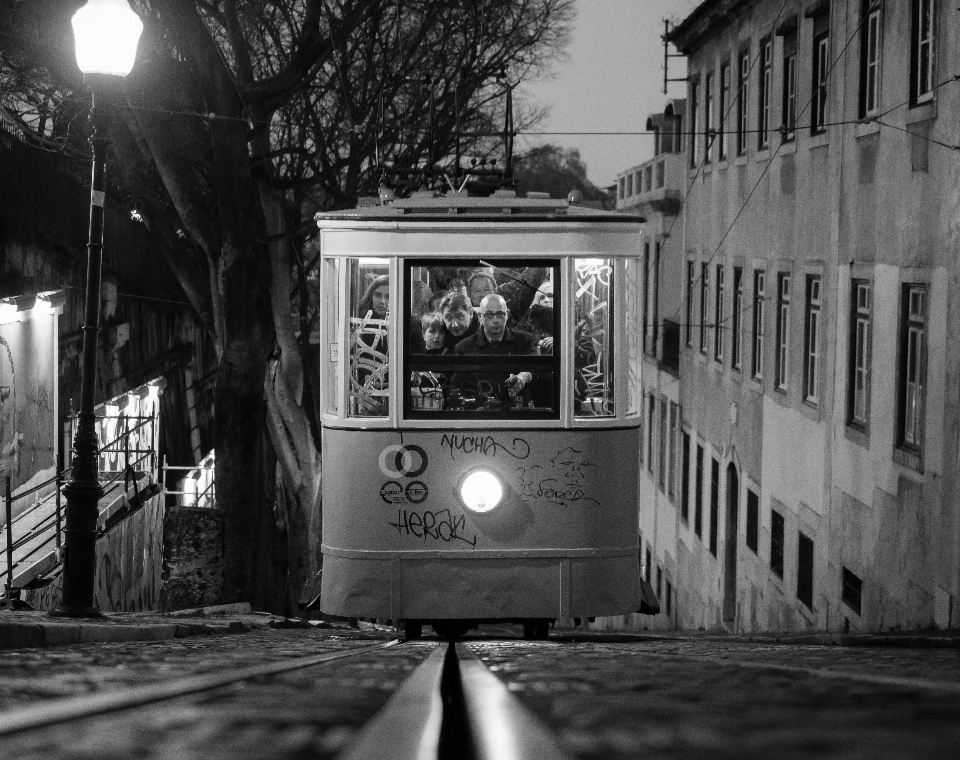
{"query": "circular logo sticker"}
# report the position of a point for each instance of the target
(403, 461)
(416, 491)
(392, 492)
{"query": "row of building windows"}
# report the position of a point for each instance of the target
(693, 483)
(664, 590)
(668, 454)
(707, 328)
(718, 98)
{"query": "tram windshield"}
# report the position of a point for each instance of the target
(477, 339)
(480, 338)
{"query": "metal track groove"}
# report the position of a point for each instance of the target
(91, 705)
(453, 708)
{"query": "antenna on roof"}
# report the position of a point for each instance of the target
(667, 55)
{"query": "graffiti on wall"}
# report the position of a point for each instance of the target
(27, 399)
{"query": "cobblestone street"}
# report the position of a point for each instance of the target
(604, 696)
(628, 697)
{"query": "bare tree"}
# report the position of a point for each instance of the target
(240, 119)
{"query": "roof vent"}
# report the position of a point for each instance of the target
(575, 198)
(504, 193)
(538, 195)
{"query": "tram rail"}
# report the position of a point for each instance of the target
(453, 707)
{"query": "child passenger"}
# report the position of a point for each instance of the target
(433, 332)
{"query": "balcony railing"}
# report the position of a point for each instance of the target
(656, 182)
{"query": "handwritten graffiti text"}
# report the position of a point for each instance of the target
(485, 445)
(440, 526)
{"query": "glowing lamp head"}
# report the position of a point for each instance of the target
(480, 491)
(106, 34)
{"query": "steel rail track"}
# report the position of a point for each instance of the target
(453, 708)
(91, 705)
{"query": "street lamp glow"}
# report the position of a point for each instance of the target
(481, 491)
(106, 34)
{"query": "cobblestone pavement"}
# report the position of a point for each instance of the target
(304, 713)
(653, 697)
(606, 696)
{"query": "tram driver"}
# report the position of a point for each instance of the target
(496, 338)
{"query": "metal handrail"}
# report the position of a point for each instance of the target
(207, 493)
(103, 449)
(128, 474)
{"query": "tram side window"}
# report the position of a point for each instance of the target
(479, 338)
(593, 331)
(328, 306)
(368, 306)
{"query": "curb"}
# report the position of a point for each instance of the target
(42, 632)
(900, 641)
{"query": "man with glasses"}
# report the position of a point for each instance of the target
(495, 338)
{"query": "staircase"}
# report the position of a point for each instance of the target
(31, 537)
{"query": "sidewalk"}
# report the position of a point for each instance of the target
(22, 628)
(928, 639)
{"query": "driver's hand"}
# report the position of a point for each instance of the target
(516, 383)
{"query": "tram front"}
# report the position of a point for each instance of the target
(482, 404)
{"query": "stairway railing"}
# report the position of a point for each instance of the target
(126, 478)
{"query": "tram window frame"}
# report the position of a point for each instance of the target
(413, 362)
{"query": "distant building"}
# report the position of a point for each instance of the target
(802, 367)
(653, 189)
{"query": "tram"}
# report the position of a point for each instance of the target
(482, 411)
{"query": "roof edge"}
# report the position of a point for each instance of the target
(706, 20)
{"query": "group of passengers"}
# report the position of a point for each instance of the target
(472, 316)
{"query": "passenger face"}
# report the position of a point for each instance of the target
(433, 337)
(381, 301)
(493, 315)
(482, 286)
(457, 321)
(545, 296)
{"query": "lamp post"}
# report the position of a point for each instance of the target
(106, 34)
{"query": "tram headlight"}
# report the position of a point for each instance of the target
(480, 490)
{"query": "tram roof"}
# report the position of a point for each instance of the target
(500, 207)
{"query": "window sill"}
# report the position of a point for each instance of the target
(859, 436)
(820, 140)
(866, 128)
(741, 160)
(781, 396)
(670, 369)
(921, 112)
(810, 410)
(762, 154)
(909, 458)
(788, 146)
(808, 614)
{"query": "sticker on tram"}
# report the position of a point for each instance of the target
(403, 461)
(416, 491)
(392, 492)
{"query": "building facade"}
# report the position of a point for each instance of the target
(809, 481)
(653, 190)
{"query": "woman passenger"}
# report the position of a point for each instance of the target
(375, 301)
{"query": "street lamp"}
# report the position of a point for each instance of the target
(106, 34)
